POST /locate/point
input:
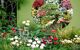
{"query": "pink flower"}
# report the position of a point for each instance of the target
(54, 31)
(12, 28)
(66, 4)
(55, 43)
(41, 13)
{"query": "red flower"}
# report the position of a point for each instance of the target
(38, 3)
(55, 38)
(55, 43)
(13, 29)
(44, 42)
(54, 31)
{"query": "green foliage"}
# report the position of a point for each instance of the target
(49, 6)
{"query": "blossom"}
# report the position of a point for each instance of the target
(28, 44)
(41, 47)
(42, 44)
(16, 37)
(17, 44)
(36, 39)
(29, 40)
(27, 24)
(14, 31)
(34, 42)
(16, 41)
(33, 46)
(55, 38)
(66, 4)
(13, 43)
(20, 42)
(76, 36)
(28, 21)
(38, 3)
(23, 22)
(50, 37)
(50, 40)
(70, 11)
(12, 28)
(55, 43)
(11, 38)
(54, 31)
(38, 42)
(41, 13)
(69, 41)
(37, 45)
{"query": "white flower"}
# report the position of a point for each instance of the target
(11, 38)
(16, 41)
(17, 44)
(34, 42)
(76, 35)
(65, 40)
(41, 47)
(42, 44)
(27, 24)
(23, 22)
(13, 43)
(29, 40)
(38, 42)
(70, 11)
(78, 38)
(69, 41)
(28, 21)
(37, 45)
(28, 44)
(16, 37)
(20, 42)
(33, 46)
(36, 39)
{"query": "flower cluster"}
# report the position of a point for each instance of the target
(38, 3)
(66, 4)
(13, 29)
(15, 41)
(26, 23)
(53, 11)
(35, 43)
(41, 13)
(65, 41)
(76, 39)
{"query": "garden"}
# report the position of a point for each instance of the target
(50, 18)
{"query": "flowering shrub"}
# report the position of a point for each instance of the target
(58, 13)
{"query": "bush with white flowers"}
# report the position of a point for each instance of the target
(35, 43)
(15, 41)
(76, 39)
